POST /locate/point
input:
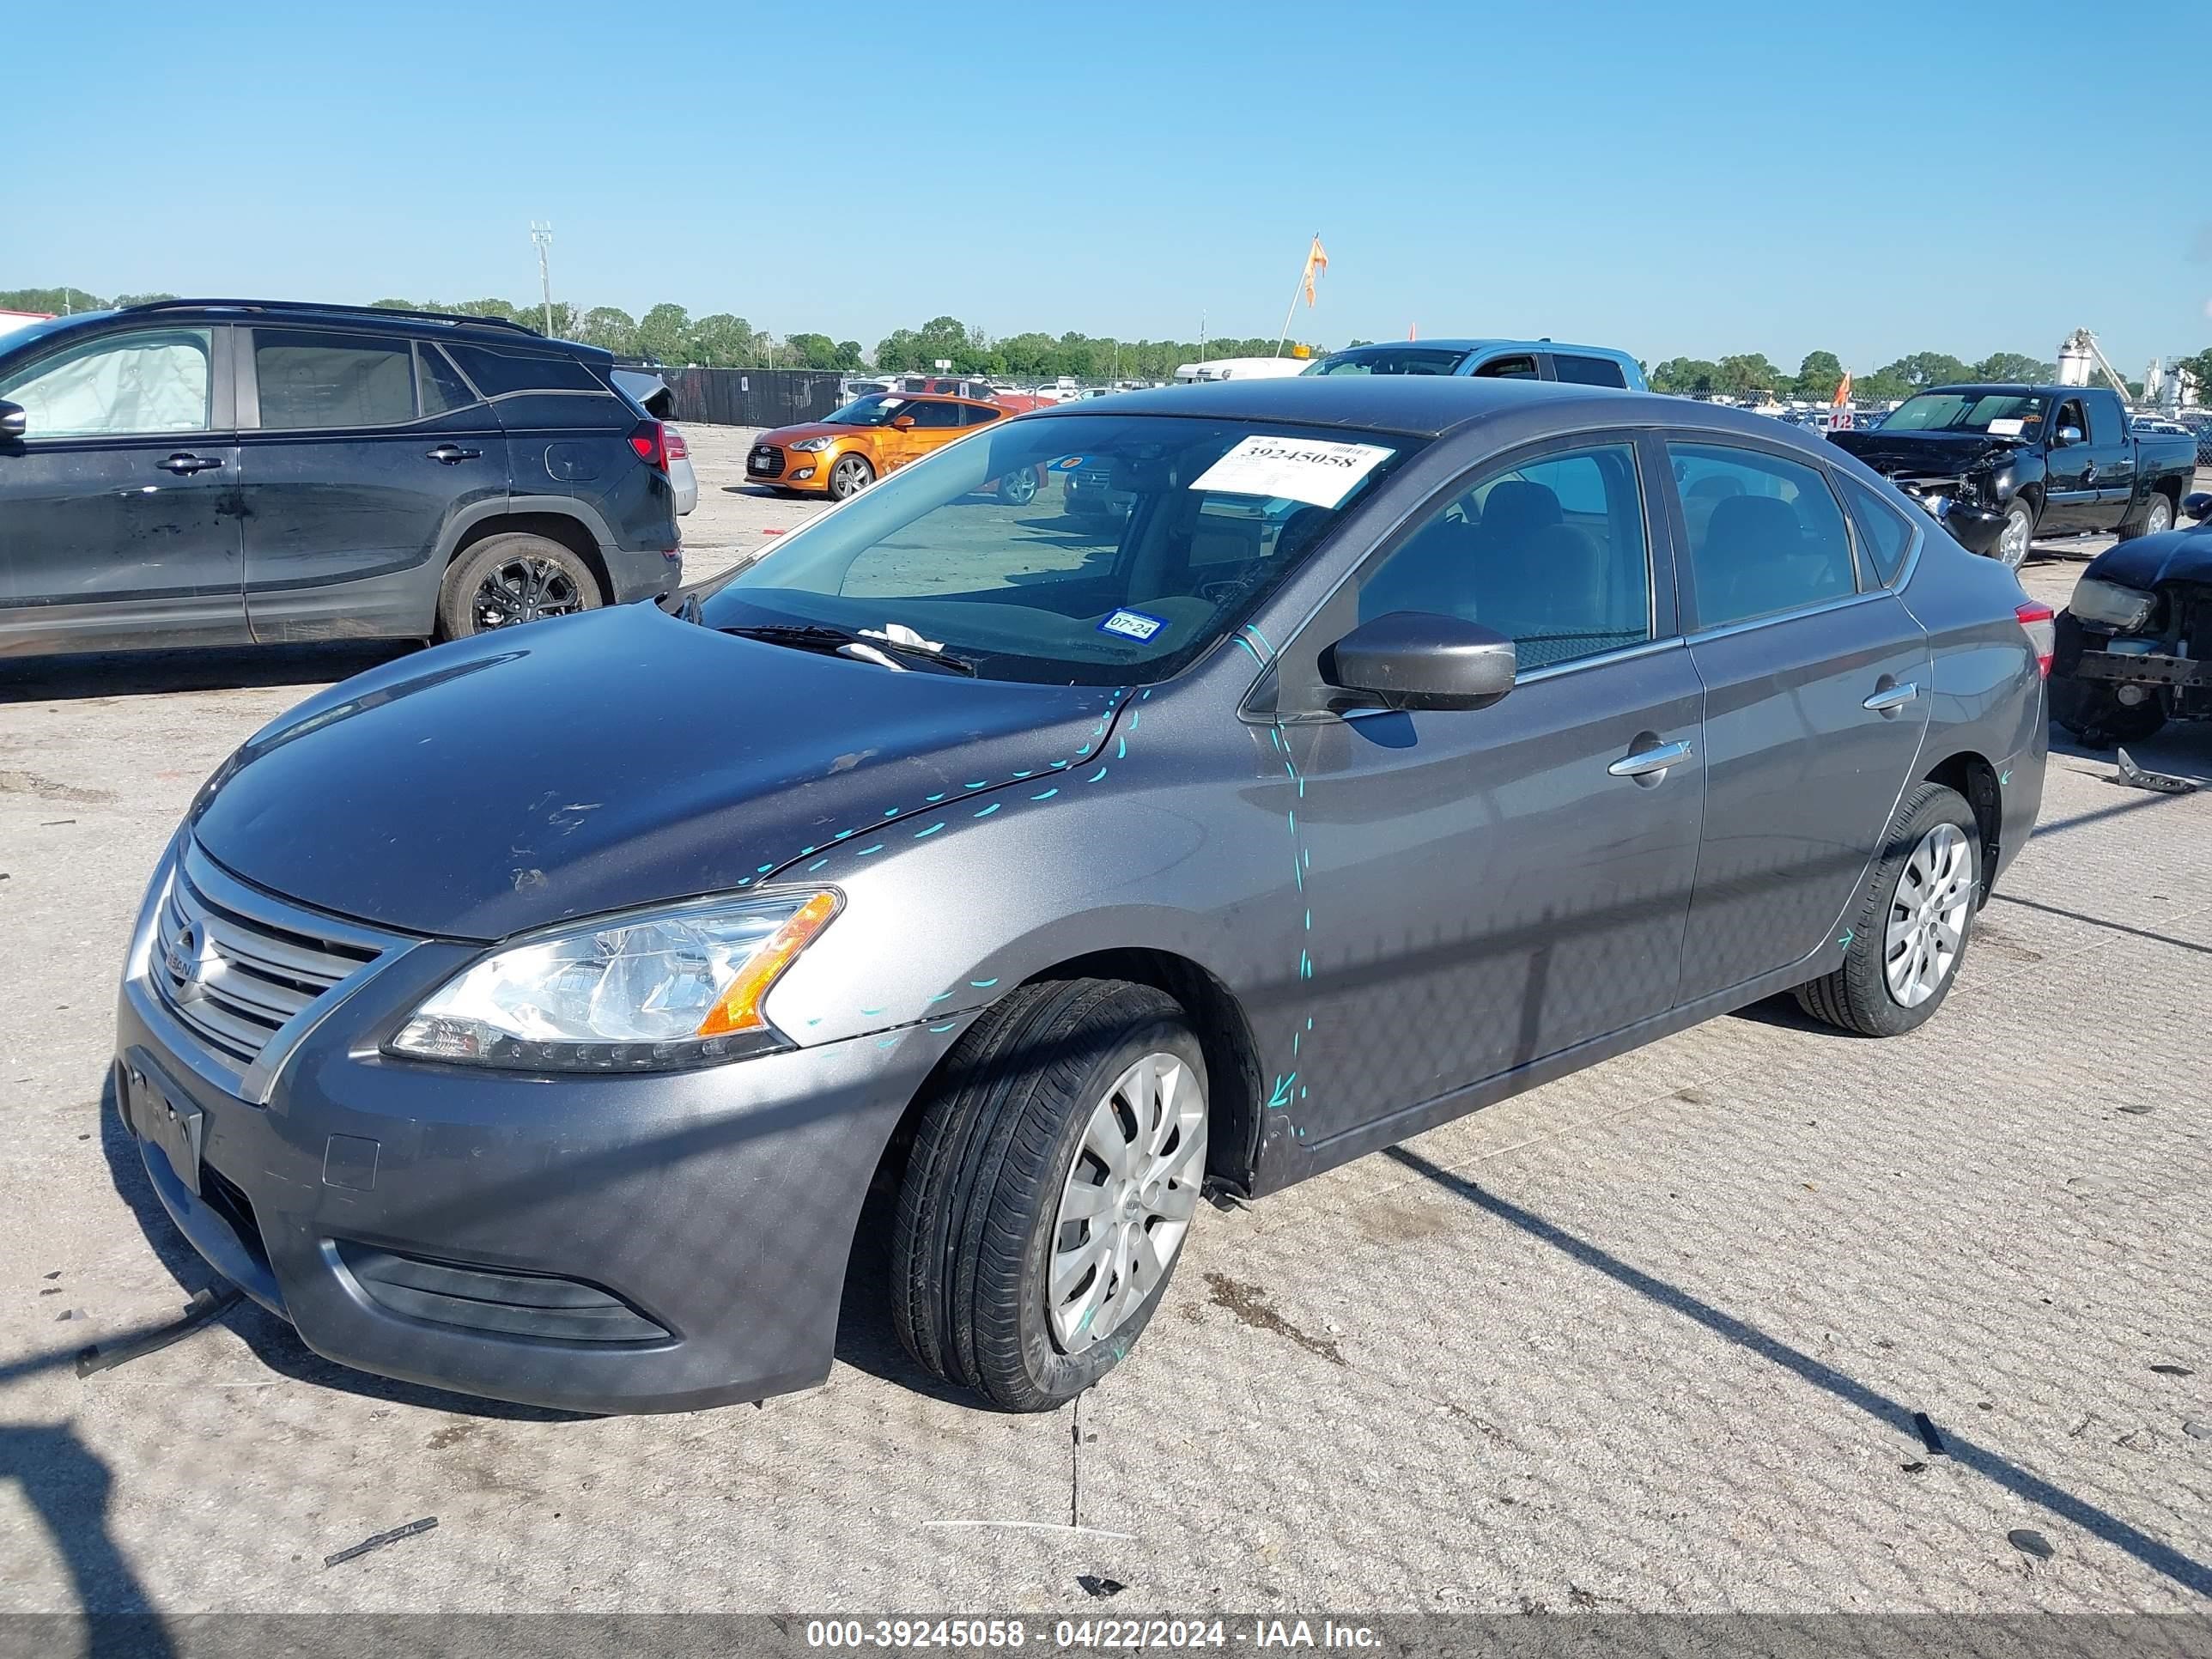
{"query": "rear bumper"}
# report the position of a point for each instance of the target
(641, 1244)
(644, 572)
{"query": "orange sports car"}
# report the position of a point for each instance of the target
(848, 450)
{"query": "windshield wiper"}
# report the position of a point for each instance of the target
(820, 637)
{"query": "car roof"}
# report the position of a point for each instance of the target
(1477, 345)
(1417, 405)
(486, 330)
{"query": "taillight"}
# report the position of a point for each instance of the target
(651, 442)
(672, 444)
(2040, 624)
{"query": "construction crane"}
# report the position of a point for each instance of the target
(2078, 353)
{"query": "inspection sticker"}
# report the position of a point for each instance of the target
(1292, 469)
(1132, 624)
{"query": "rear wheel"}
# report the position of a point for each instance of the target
(850, 476)
(1018, 488)
(2017, 535)
(2155, 519)
(510, 579)
(1053, 1180)
(1910, 930)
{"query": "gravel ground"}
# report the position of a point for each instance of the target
(1652, 1337)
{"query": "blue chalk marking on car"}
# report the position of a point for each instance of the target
(992, 808)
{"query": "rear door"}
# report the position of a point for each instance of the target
(1817, 694)
(119, 509)
(351, 478)
(2111, 471)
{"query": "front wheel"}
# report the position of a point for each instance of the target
(1910, 930)
(1018, 488)
(1054, 1177)
(2017, 535)
(851, 475)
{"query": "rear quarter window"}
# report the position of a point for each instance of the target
(500, 372)
(1588, 371)
(1886, 533)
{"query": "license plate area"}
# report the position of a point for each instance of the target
(178, 1128)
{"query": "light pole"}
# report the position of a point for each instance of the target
(542, 235)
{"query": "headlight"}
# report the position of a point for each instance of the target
(674, 987)
(812, 446)
(2124, 609)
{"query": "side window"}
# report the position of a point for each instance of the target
(1551, 552)
(2069, 414)
(441, 387)
(312, 379)
(1884, 532)
(978, 415)
(2103, 418)
(154, 381)
(1588, 371)
(500, 372)
(933, 412)
(1765, 533)
(1507, 368)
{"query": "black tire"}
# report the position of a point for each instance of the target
(971, 1245)
(2100, 719)
(1857, 997)
(849, 476)
(1018, 488)
(2019, 531)
(563, 584)
(2156, 517)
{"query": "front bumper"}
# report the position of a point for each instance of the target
(598, 1244)
(1973, 526)
(815, 464)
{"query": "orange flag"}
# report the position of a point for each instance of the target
(1409, 331)
(1316, 262)
(1844, 390)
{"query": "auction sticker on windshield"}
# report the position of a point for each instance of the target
(1310, 469)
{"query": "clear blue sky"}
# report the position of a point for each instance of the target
(1677, 178)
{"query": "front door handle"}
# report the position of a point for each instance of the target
(1889, 701)
(1646, 762)
(453, 454)
(183, 465)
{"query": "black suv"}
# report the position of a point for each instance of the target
(231, 471)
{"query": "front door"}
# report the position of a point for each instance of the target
(1817, 694)
(118, 511)
(1483, 888)
(936, 423)
(350, 480)
(2070, 477)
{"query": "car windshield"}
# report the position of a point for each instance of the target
(1074, 549)
(1391, 360)
(1999, 414)
(877, 408)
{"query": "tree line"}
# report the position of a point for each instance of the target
(669, 334)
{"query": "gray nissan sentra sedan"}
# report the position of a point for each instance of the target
(530, 1017)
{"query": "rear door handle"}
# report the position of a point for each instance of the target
(1644, 763)
(1889, 701)
(453, 454)
(183, 465)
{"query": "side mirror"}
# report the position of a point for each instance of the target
(2198, 506)
(902, 423)
(2068, 436)
(1416, 660)
(13, 423)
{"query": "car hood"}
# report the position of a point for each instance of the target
(791, 434)
(2176, 555)
(1889, 452)
(602, 761)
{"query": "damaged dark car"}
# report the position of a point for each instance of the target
(1999, 466)
(2133, 645)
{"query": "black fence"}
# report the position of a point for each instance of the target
(751, 397)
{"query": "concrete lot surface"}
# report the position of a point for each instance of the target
(1652, 1337)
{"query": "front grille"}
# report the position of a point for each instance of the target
(495, 1300)
(1093, 478)
(234, 964)
(766, 461)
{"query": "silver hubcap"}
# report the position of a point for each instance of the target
(1928, 915)
(524, 590)
(2160, 517)
(2012, 541)
(1128, 1200)
(850, 478)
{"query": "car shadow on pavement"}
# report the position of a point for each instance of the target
(68, 1486)
(867, 1341)
(150, 673)
(274, 1342)
(2159, 1556)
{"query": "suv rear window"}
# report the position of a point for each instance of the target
(499, 371)
(309, 379)
(1588, 371)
